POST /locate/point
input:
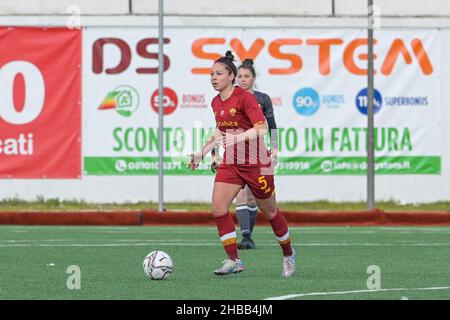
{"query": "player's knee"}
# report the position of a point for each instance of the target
(218, 210)
(269, 213)
(218, 214)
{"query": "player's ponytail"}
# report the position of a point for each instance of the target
(227, 60)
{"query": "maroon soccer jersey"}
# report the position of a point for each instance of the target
(238, 113)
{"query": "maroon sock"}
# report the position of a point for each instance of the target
(281, 230)
(227, 234)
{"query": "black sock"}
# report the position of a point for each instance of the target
(243, 218)
(253, 212)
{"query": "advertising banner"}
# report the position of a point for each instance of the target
(316, 78)
(40, 103)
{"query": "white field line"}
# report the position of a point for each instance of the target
(37, 240)
(215, 243)
(214, 231)
(394, 229)
(103, 228)
(196, 230)
(109, 244)
(306, 230)
(142, 231)
(175, 228)
(290, 296)
(417, 228)
(98, 240)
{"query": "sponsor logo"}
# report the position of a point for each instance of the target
(406, 101)
(193, 101)
(227, 124)
(101, 63)
(170, 101)
(306, 101)
(361, 101)
(414, 52)
(333, 101)
(124, 99)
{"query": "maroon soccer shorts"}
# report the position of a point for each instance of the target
(259, 179)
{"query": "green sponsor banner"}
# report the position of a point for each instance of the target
(358, 165)
(141, 166)
(287, 166)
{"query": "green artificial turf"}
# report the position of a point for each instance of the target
(332, 263)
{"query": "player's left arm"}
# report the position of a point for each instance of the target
(197, 157)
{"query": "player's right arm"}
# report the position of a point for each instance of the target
(253, 111)
(216, 159)
(197, 157)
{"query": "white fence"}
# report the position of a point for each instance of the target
(338, 8)
(344, 14)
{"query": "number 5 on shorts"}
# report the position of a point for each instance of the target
(262, 180)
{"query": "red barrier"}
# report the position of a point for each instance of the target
(345, 218)
(342, 218)
(72, 218)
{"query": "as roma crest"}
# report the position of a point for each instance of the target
(233, 112)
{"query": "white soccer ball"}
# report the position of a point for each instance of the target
(158, 265)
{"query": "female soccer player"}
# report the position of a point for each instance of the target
(240, 127)
(246, 208)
